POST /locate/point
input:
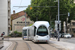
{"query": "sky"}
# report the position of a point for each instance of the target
(19, 3)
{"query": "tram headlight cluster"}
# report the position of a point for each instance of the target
(47, 36)
(37, 36)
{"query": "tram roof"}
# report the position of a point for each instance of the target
(38, 23)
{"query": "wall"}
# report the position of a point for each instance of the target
(3, 17)
(17, 25)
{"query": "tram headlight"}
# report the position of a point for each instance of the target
(47, 36)
(37, 36)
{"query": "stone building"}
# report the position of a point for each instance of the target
(5, 16)
(70, 27)
(18, 21)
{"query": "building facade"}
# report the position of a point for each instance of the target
(18, 21)
(5, 16)
(72, 27)
(74, 1)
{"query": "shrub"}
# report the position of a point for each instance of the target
(16, 34)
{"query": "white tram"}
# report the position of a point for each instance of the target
(38, 32)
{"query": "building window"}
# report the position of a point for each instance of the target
(9, 13)
(73, 29)
(28, 22)
(73, 23)
(21, 22)
(8, 4)
(17, 22)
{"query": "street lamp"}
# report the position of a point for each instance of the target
(58, 21)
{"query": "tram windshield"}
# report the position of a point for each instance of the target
(42, 31)
(25, 32)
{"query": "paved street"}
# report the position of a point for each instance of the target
(63, 44)
(70, 40)
(19, 44)
(6, 45)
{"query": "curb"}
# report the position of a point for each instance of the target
(9, 46)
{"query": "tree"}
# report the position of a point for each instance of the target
(49, 13)
(72, 15)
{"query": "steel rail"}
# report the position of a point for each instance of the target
(15, 46)
(29, 48)
(54, 46)
(42, 47)
(1, 47)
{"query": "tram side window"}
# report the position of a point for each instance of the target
(25, 32)
(34, 30)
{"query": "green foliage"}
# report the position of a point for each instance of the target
(49, 13)
(16, 34)
(30, 24)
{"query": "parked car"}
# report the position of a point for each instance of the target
(62, 34)
(67, 35)
(51, 34)
(56, 35)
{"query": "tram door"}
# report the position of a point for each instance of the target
(25, 35)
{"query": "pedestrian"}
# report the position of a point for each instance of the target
(2, 34)
(56, 35)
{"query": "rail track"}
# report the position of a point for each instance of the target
(39, 45)
(42, 47)
(1, 47)
(29, 48)
(30, 45)
(15, 45)
(54, 46)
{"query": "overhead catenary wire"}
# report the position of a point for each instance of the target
(21, 2)
(34, 6)
(20, 5)
(30, 6)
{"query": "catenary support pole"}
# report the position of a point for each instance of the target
(58, 21)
